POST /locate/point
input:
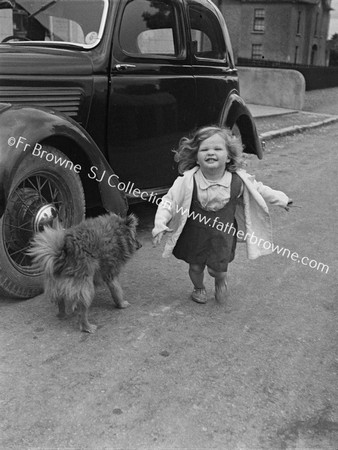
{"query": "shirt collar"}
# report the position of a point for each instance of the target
(203, 183)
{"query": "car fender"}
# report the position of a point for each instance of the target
(236, 112)
(24, 130)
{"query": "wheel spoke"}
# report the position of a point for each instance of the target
(8, 243)
(53, 195)
(21, 228)
(19, 257)
(23, 201)
(37, 195)
(40, 187)
(32, 185)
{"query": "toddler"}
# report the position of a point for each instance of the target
(214, 204)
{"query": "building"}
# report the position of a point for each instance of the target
(288, 31)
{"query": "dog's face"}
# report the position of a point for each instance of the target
(132, 222)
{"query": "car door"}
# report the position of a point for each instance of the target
(212, 60)
(152, 101)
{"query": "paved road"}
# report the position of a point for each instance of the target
(170, 374)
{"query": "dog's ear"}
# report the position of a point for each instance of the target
(132, 220)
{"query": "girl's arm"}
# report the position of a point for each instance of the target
(166, 211)
(162, 217)
(270, 195)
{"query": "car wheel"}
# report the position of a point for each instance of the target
(41, 195)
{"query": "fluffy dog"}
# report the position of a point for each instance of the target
(79, 258)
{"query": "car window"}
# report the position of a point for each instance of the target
(53, 22)
(148, 28)
(206, 33)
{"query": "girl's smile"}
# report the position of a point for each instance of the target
(212, 156)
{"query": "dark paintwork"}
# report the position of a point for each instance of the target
(135, 116)
(39, 125)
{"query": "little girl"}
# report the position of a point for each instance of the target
(212, 205)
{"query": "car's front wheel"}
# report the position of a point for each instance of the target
(40, 195)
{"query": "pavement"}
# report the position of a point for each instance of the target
(320, 109)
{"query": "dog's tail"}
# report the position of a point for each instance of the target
(46, 248)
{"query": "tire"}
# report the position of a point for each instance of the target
(42, 193)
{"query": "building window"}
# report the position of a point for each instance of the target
(256, 51)
(298, 21)
(314, 55)
(316, 24)
(259, 20)
(296, 54)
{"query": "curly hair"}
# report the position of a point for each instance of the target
(186, 154)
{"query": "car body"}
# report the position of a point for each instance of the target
(94, 95)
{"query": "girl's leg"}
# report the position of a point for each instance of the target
(221, 285)
(196, 273)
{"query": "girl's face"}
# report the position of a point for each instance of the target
(212, 155)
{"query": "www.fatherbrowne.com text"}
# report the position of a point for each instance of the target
(113, 181)
(267, 245)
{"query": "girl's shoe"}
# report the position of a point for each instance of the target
(199, 295)
(221, 291)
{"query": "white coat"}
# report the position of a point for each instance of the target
(252, 214)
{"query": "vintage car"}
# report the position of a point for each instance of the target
(94, 95)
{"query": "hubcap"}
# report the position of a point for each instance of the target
(46, 215)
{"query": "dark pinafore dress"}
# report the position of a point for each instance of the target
(209, 237)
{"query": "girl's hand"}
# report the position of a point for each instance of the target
(290, 204)
(157, 239)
